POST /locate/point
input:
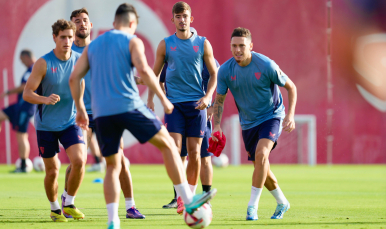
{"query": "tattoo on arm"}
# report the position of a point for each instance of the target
(218, 109)
(136, 78)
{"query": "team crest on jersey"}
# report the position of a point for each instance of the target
(233, 78)
(196, 48)
(257, 75)
(42, 150)
(54, 70)
(173, 49)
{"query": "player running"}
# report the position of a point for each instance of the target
(117, 106)
(253, 78)
(82, 38)
(55, 118)
(186, 53)
(20, 113)
(206, 171)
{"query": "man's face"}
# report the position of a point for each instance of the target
(241, 48)
(64, 40)
(182, 20)
(83, 25)
(25, 60)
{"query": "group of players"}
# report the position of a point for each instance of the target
(93, 88)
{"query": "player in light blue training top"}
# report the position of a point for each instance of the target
(117, 106)
(185, 52)
(253, 80)
(55, 118)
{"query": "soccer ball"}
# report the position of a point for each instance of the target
(28, 164)
(221, 161)
(201, 218)
(39, 164)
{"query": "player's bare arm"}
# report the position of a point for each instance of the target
(158, 65)
(289, 122)
(77, 89)
(15, 90)
(218, 109)
(212, 69)
(138, 58)
(37, 75)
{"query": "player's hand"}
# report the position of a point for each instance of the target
(215, 129)
(210, 112)
(168, 106)
(203, 103)
(82, 119)
(52, 99)
(150, 105)
(139, 81)
(289, 123)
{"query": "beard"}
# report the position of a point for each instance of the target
(82, 36)
(182, 30)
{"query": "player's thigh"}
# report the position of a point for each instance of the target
(114, 161)
(48, 143)
(180, 142)
(52, 164)
(109, 134)
(162, 140)
(73, 142)
(263, 148)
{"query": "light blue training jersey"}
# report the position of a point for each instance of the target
(254, 88)
(60, 116)
(185, 64)
(113, 87)
(87, 81)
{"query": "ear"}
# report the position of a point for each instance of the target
(114, 23)
(54, 37)
(251, 46)
(91, 25)
(172, 20)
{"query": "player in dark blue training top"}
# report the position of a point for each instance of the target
(186, 53)
(117, 106)
(253, 80)
(206, 171)
(20, 113)
(55, 118)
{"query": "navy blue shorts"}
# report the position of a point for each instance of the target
(91, 122)
(48, 140)
(186, 120)
(204, 146)
(18, 118)
(142, 123)
(270, 129)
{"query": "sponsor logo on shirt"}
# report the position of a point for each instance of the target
(196, 48)
(271, 134)
(173, 49)
(54, 70)
(202, 132)
(258, 75)
(80, 138)
(233, 78)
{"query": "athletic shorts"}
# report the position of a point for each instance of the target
(91, 123)
(270, 129)
(48, 141)
(204, 146)
(18, 118)
(186, 120)
(142, 123)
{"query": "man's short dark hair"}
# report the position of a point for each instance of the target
(61, 25)
(180, 7)
(242, 32)
(124, 13)
(76, 13)
(26, 52)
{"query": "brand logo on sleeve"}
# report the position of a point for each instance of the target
(257, 75)
(271, 134)
(233, 78)
(202, 132)
(196, 48)
(54, 70)
(173, 49)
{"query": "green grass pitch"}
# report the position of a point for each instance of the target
(321, 197)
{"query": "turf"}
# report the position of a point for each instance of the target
(320, 197)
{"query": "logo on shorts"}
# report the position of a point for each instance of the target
(196, 48)
(258, 75)
(233, 78)
(271, 134)
(249, 155)
(54, 70)
(41, 150)
(202, 132)
(173, 49)
(80, 138)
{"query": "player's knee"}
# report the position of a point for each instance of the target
(206, 161)
(78, 163)
(52, 172)
(261, 155)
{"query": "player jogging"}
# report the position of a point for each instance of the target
(20, 113)
(82, 38)
(253, 80)
(55, 118)
(185, 52)
(206, 171)
(111, 58)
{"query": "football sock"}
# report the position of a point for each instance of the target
(193, 189)
(279, 196)
(183, 190)
(65, 193)
(97, 160)
(69, 200)
(22, 166)
(206, 188)
(255, 196)
(129, 202)
(54, 205)
(175, 194)
(112, 211)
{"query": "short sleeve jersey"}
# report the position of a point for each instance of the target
(254, 88)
